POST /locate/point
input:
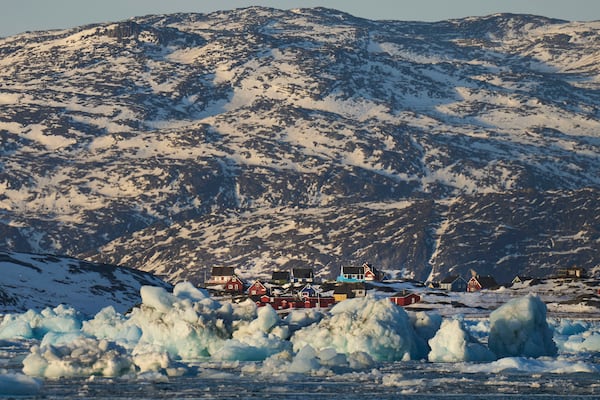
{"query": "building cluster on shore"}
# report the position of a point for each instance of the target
(298, 287)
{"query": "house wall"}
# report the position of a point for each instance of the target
(405, 301)
(473, 286)
(340, 297)
(219, 279)
(257, 290)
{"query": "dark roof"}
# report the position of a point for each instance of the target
(342, 290)
(486, 281)
(349, 287)
(450, 279)
(280, 276)
(222, 271)
(523, 278)
(302, 273)
(353, 270)
(308, 288)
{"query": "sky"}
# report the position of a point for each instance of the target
(18, 16)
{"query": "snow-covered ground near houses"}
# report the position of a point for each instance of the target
(186, 343)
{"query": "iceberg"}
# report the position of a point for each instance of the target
(376, 327)
(519, 329)
(452, 343)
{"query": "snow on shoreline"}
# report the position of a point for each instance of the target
(172, 334)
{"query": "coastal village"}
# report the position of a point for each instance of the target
(298, 288)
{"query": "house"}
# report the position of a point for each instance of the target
(319, 302)
(433, 284)
(478, 282)
(349, 290)
(340, 293)
(280, 277)
(221, 275)
(572, 272)
(308, 291)
(453, 283)
(365, 272)
(302, 275)
(257, 289)
(234, 285)
(405, 298)
(283, 303)
(521, 279)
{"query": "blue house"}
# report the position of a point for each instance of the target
(308, 291)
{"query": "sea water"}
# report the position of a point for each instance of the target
(529, 379)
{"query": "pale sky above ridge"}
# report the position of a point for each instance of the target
(18, 16)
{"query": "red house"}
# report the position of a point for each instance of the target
(319, 302)
(257, 289)
(234, 285)
(478, 282)
(405, 298)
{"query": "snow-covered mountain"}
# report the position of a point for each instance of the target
(260, 139)
(36, 281)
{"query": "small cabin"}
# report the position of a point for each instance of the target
(453, 283)
(308, 291)
(348, 290)
(234, 285)
(521, 279)
(433, 284)
(302, 275)
(257, 289)
(478, 282)
(405, 298)
(280, 277)
(221, 275)
(365, 272)
(572, 272)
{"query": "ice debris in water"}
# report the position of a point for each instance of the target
(169, 332)
(578, 336)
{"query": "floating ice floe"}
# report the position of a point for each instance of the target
(12, 384)
(531, 365)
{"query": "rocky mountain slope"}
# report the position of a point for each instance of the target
(261, 139)
(36, 281)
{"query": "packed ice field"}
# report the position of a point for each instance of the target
(186, 332)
